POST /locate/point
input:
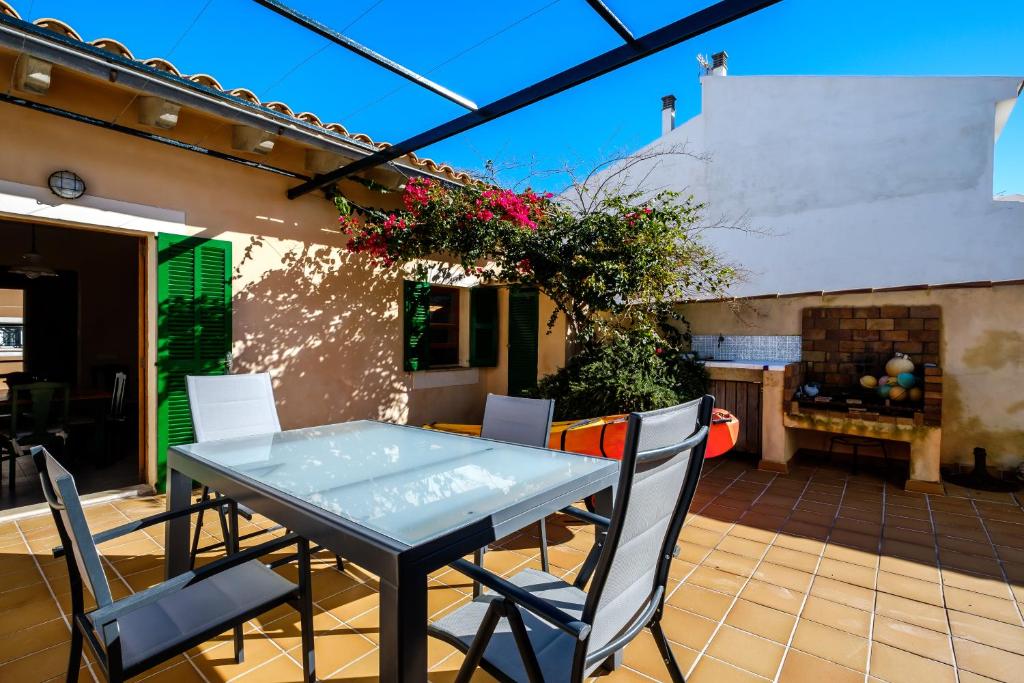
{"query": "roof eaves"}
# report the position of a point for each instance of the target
(109, 59)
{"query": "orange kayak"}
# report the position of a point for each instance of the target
(606, 436)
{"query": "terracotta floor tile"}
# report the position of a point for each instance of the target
(915, 570)
(899, 666)
(729, 562)
(32, 639)
(811, 546)
(747, 651)
(912, 612)
(843, 593)
(716, 580)
(794, 559)
(687, 628)
(841, 617)
(912, 589)
(987, 631)
(987, 585)
(863, 558)
(709, 670)
(770, 595)
(783, 576)
(982, 605)
(988, 661)
(701, 601)
(766, 622)
(848, 573)
(801, 667)
(984, 565)
(742, 547)
(26, 606)
(832, 644)
(182, 672)
(920, 641)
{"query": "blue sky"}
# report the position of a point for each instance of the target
(484, 50)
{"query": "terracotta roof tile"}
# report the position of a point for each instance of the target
(116, 47)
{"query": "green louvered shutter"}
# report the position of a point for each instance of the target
(483, 327)
(416, 310)
(522, 340)
(193, 329)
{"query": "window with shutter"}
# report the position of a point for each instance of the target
(523, 309)
(416, 312)
(483, 326)
(193, 329)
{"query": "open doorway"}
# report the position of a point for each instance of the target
(71, 339)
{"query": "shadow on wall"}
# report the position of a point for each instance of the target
(325, 325)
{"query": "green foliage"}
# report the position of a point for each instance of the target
(626, 372)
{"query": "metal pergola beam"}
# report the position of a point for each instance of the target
(709, 18)
(330, 34)
(609, 17)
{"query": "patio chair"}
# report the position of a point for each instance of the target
(133, 634)
(535, 627)
(223, 407)
(39, 415)
(525, 421)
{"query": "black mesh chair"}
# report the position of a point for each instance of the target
(131, 635)
(524, 421)
(535, 627)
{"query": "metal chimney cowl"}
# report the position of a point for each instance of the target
(720, 63)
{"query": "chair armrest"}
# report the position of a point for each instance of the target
(243, 556)
(105, 615)
(587, 516)
(543, 609)
(130, 527)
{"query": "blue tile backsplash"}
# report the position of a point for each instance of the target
(781, 348)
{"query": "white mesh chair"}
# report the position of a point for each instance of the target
(133, 634)
(524, 421)
(535, 627)
(224, 407)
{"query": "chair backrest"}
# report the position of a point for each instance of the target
(80, 550)
(661, 464)
(225, 406)
(525, 421)
(117, 396)
(44, 412)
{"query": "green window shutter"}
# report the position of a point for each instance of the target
(483, 327)
(416, 309)
(193, 329)
(523, 309)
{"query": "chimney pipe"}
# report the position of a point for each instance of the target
(720, 63)
(668, 114)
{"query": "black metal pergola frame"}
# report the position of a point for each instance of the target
(633, 49)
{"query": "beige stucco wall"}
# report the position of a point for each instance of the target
(981, 349)
(324, 323)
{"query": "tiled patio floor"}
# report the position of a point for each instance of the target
(816, 576)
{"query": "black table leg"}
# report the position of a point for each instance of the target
(179, 497)
(403, 628)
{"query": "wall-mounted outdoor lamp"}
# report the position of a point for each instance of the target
(66, 184)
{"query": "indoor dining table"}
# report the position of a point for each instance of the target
(399, 501)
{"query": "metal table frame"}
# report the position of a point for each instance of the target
(403, 569)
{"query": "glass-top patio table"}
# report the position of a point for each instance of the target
(399, 501)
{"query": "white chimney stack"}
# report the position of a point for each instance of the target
(720, 63)
(668, 114)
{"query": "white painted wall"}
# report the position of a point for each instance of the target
(862, 181)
